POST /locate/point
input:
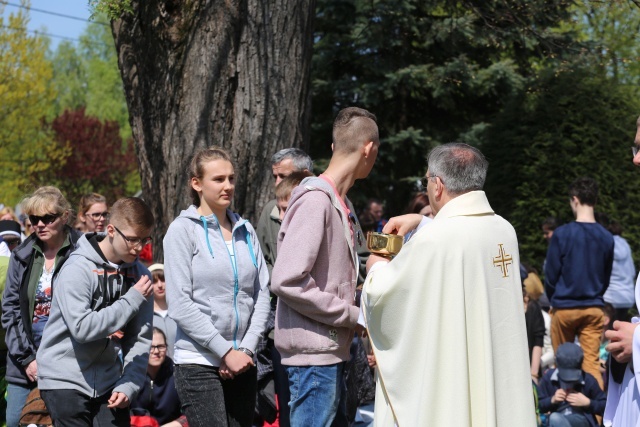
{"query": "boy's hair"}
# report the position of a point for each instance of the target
(352, 128)
(45, 200)
(196, 167)
(133, 212)
(585, 189)
(286, 186)
(88, 200)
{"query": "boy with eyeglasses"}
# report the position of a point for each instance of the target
(101, 290)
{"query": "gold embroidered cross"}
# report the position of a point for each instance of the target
(503, 261)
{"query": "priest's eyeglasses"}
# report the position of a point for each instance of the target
(424, 181)
(635, 149)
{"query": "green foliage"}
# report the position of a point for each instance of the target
(26, 150)
(88, 76)
(572, 124)
(432, 72)
(113, 9)
(611, 30)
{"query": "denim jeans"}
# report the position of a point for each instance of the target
(208, 400)
(318, 396)
(572, 420)
(16, 398)
(75, 409)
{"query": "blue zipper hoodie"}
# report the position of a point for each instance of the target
(218, 304)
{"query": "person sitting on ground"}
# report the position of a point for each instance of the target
(571, 395)
(158, 395)
(161, 317)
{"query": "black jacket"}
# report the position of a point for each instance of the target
(16, 306)
(159, 396)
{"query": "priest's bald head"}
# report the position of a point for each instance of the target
(454, 169)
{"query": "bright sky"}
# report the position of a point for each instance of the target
(51, 24)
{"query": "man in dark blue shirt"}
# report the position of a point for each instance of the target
(577, 272)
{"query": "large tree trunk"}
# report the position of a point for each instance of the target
(232, 73)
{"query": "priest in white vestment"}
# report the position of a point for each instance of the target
(623, 396)
(445, 317)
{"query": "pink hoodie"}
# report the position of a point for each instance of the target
(314, 278)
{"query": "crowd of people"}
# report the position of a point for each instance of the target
(294, 322)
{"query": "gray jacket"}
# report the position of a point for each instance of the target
(218, 305)
(19, 298)
(91, 301)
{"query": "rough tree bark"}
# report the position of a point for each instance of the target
(196, 73)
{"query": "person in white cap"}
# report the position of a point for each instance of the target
(10, 236)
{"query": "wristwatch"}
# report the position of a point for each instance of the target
(246, 351)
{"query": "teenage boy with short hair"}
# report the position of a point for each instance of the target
(101, 289)
(577, 272)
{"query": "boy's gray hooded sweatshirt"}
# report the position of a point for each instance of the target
(91, 301)
(217, 304)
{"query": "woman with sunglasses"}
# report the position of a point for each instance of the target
(93, 213)
(27, 296)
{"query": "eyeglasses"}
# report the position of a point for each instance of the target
(46, 219)
(159, 348)
(97, 215)
(134, 241)
(424, 181)
(635, 149)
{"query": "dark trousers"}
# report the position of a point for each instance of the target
(75, 409)
(208, 400)
(281, 382)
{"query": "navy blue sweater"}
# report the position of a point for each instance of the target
(160, 397)
(578, 265)
(590, 388)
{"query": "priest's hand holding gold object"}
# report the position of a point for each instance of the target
(386, 245)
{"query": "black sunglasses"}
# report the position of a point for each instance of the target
(46, 219)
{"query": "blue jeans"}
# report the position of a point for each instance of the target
(318, 396)
(16, 398)
(571, 420)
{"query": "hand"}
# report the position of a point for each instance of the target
(372, 360)
(621, 340)
(578, 399)
(535, 379)
(225, 372)
(559, 396)
(237, 361)
(32, 371)
(144, 286)
(373, 258)
(403, 224)
(118, 400)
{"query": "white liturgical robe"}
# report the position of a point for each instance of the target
(446, 321)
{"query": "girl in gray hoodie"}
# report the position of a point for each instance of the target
(217, 293)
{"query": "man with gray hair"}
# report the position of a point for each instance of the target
(283, 164)
(445, 316)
